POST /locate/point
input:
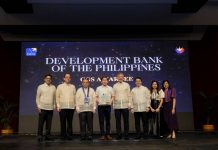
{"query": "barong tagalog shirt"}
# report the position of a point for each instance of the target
(45, 96)
(85, 99)
(140, 99)
(65, 96)
(104, 94)
(122, 95)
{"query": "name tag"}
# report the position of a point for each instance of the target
(86, 100)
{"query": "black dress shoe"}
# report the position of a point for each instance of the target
(40, 139)
(47, 138)
(89, 138)
(137, 137)
(63, 138)
(69, 138)
(83, 138)
(157, 137)
(119, 137)
(161, 136)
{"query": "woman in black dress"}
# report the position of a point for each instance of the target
(157, 96)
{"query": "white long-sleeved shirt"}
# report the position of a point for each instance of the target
(104, 94)
(140, 98)
(122, 95)
(65, 96)
(45, 97)
(80, 102)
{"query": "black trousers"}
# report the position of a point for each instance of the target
(66, 119)
(86, 122)
(104, 115)
(45, 116)
(138, 117)
(125, 114)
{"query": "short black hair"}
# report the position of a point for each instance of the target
(47, 75)
(120, 73)
(67, 73)
(138, 78)
(104, 77)
(85, 79)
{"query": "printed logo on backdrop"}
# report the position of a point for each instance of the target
(31, 51)
(180, 50)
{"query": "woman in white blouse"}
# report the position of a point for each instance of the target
(157, 96)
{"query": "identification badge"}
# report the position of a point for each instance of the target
(86, 100)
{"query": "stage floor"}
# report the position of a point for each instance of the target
(194, 140)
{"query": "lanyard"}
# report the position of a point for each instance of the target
(85, 93)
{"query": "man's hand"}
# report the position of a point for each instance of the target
(110, 102)
(129, 106)
(132, 111)
(77, 110)
(39, 110)
(147, 110)
(58, 109)
(94, 109)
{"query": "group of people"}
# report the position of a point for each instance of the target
(146, 104)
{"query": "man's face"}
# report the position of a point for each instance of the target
(138, 82)
(120, 77)
(47, 80)
(67, 78)
(104, 81)
(85, 83)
